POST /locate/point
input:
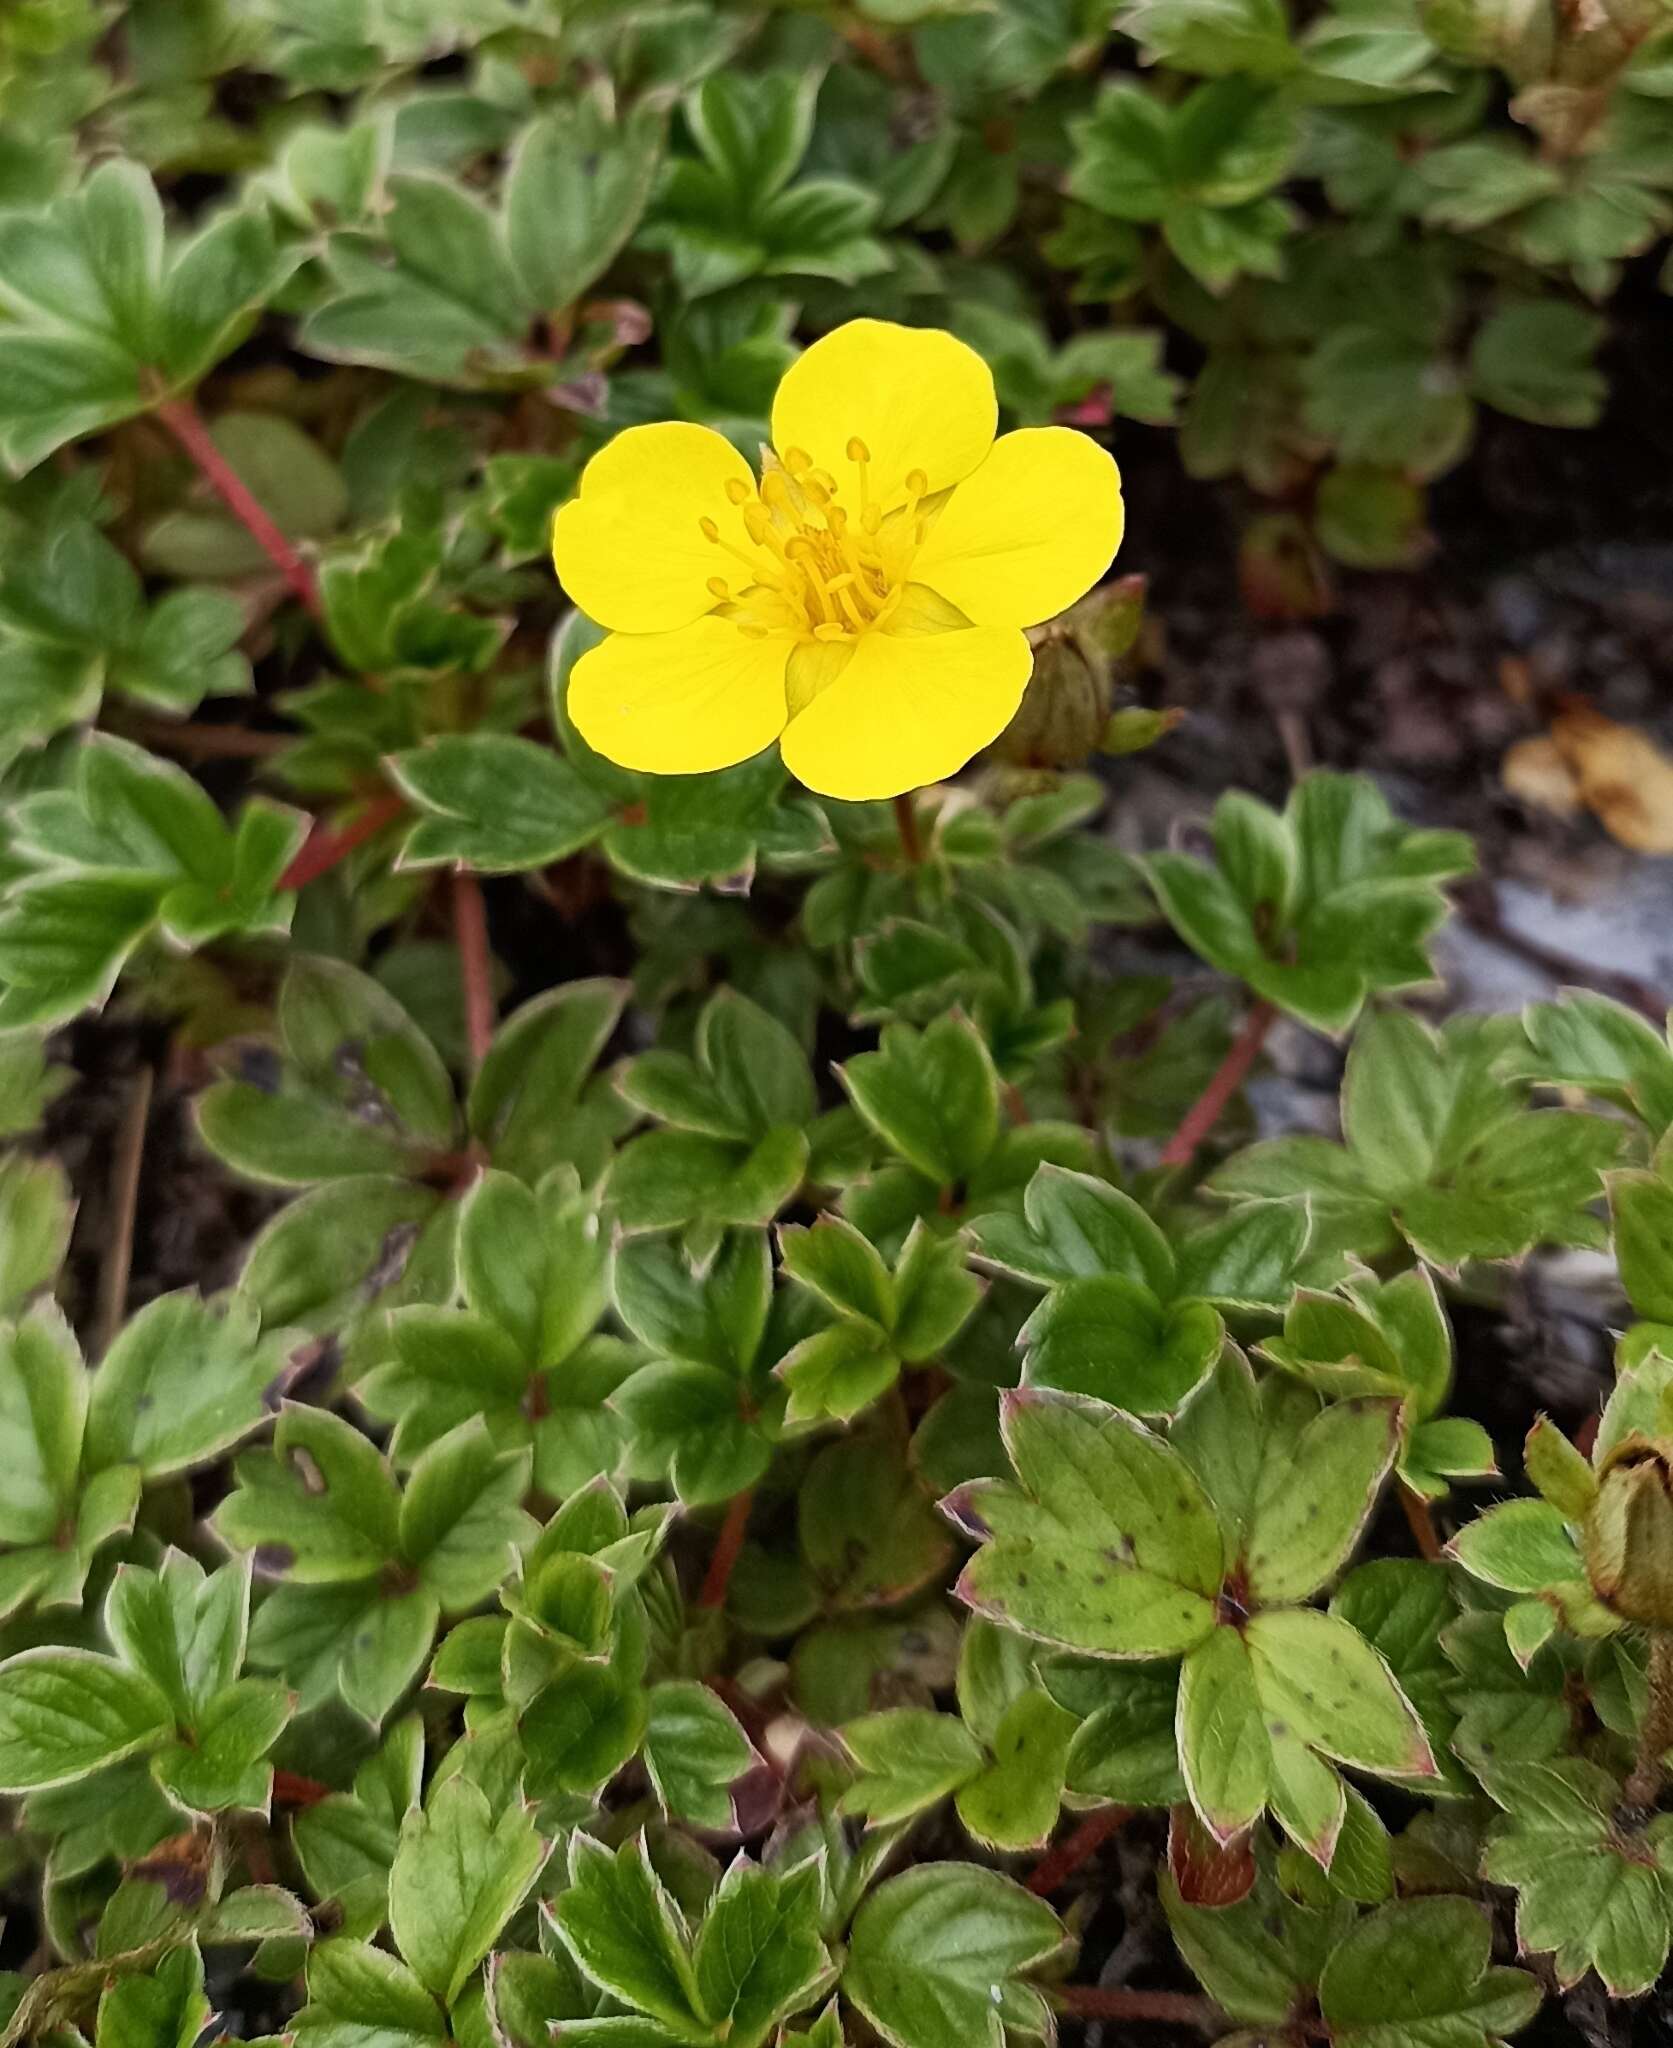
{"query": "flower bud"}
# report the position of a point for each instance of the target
(1628, 1535)
(1064, 710)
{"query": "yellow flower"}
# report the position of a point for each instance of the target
(863, 602)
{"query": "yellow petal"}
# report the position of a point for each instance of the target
(628, 548)
(1031, 531)
(915, 397)
(680, 703)
(906, 711)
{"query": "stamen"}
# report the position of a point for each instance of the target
(917, 482)
(830, 633)
(738, 491)
(717, 588)
(796, 460)
(857, 451)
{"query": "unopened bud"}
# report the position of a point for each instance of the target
(1064, 710)
(1628, 1535)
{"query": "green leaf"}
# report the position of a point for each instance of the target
(496, 804)
(320, 1503)
(909, 1758)
(1240, 1952)
(575, 190)
(758, 1956)
(1224, 1748)
(580, 1730)
(358, 1994)
(619, 1923)
(1363, 903)
(1589, 1899)
(67, 1713)
(937, 1955)
(1107, 1545)
(841, 1266)
(1325, 1682)
(869, 1534)
(461, 1518)
(1075, 1227)
(164, 2008)
(104, 320)
(1641, 1206)
(1533, 358)
(1012, 1803)
(1522, 1546)
(459, 1875)
(1111, 1338)
(932, 1096)
(1423, 1967)
(1309, 1512)
(360, 1088)
(695, 1752)
(530, 1103)
(182, 1383)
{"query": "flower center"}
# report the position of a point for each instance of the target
(814, 571)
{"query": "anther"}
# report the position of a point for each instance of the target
(916, 482)
(796, 460)
(830, 633)
(708, 529)
(738, 491)
(717, 588)
(857, 451)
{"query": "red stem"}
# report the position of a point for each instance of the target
(470, 930)
(1228, 1077)
(290, 1789)
(326, 844)
(1420, 1521)
(186, 424)
(1076, 1848)
(1176, 2008)
(727, 1546)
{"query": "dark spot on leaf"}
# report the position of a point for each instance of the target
(273, 1559)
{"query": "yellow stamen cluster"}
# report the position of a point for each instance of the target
(814, 571)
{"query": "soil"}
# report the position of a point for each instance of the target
(1552, 574)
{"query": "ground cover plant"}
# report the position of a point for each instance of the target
(672, 1372)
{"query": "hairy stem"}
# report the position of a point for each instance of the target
(1655, 1736)
(470, 931)
(728, 1544)
(186, 424)
(1077, 1847)
(1227, 1078)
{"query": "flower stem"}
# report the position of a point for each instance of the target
(470, 931)
(1420, 1521)
(186, 424)
(326, 845)
(1655, 1736)
(906, 823)
(1228, 1077)
(1076, 1848)
(1174, 2008)
(728, 1544)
